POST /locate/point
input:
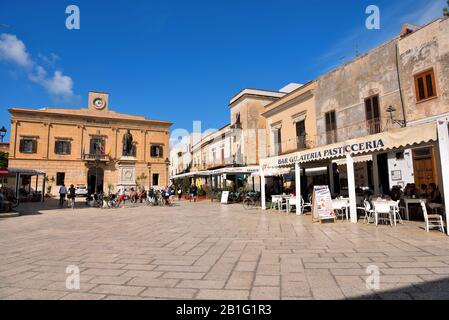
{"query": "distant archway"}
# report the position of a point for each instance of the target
(95, 180)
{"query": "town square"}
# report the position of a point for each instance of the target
(327, 182)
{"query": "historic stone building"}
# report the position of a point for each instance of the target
(88, 146)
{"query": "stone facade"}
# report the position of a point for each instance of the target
(285, 113)
(422, 50)
(79, 127)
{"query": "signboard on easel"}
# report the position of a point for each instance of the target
(224, 197)
(322, 204)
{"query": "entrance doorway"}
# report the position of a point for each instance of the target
(384, 176)
(424, 166)
(95, 180)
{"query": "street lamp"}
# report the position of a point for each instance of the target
(390, 110)
(3, 132)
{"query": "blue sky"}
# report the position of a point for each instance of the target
(181, 60)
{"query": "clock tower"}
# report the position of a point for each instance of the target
(98, 101)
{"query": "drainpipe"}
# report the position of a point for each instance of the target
(399, 83)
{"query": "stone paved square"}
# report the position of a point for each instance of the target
(206, 250)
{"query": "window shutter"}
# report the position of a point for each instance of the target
(56, 147)
(34, 146)
(21, 146)
(69, 147)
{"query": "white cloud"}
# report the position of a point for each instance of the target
(14, 50)
(57, 85)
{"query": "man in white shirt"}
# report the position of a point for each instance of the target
(62, 195)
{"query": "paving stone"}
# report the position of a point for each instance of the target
(207, 251)
(265, 293)
(34, 294)
(207, 294)
(83, 296)
(202, 284)
(263, 280)
(117, 290)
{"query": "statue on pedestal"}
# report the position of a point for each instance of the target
(128, 144)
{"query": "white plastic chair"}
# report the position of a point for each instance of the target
(369, 212)
(397, 213)
(291, 203)
(275, 202)
(432, 220)
(382, 212)
(306, 205)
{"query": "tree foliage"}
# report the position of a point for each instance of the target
(3, 159)
(446, 10)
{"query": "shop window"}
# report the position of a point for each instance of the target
(425, 85)
(60, 178)
(156, 151)
(331, 127)
(155, 179)
(62, 147)
(28, 145)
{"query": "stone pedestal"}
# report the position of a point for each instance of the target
(127, 173)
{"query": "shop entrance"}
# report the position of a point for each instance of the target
(424, 166)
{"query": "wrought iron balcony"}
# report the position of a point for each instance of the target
(96, 157)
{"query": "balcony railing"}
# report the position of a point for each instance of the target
(374, 126)
(96, 157)
(352, 131)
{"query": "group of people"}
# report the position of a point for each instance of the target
(64, 193)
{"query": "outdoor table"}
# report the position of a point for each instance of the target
(411, 200)
(341, 204)
(391, 203)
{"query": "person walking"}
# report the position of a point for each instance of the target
(195, 192)
(72, 196)
(179, 194)
(62, 195)
(191, 192)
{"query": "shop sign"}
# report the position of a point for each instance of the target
(332, 152)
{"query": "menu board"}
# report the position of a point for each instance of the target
(224, 197)
(322, 204)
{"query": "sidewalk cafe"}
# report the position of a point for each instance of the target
(222, 178)
(357, 151)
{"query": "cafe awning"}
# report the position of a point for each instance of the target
(392, 139)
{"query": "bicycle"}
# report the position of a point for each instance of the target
(251, 201)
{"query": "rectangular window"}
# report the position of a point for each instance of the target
(331, 127)
(425, 85)
(301, 134)
(155, 179)
(372, 112)
(62, 147)
(28, 145)
(60, 178)
(156, 151)
(277, 139)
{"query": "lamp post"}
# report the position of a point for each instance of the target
(390, 110)
(3, 132)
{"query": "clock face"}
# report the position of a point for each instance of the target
(99, 103)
